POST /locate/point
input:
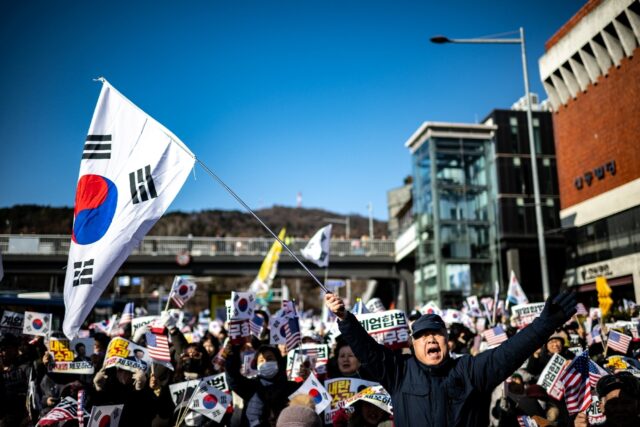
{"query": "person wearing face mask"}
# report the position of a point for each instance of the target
(266, 395)
(429, 388)
(619, 401)
(193, 363)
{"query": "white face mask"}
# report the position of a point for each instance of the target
(268, 369)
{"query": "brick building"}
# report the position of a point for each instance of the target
(591, 73)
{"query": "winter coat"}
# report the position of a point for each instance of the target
(449, 394)
(263, 399)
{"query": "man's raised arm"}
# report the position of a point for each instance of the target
(380, 362)
(491, 367)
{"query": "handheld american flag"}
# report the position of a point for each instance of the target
(256, 325)
(619, 342)
(158, 344)
(578, 378)
(292, 330)
(495, 336)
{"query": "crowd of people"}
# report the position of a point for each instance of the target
(450, 373)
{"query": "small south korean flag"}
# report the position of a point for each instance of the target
(277, 329)
(107, 415)
(243, 305)
(312, 388)
(211, 402)
(36, 323)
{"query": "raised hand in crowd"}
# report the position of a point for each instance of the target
(139, 379)
(336, 305)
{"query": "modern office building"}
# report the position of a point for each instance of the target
(591, 72)
(454, 226)
(513, 195)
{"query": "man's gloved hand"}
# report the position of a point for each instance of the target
(139, 379)
(100, 379)
(560, 308)
(169, 319)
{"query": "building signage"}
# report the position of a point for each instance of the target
(598, 172)
(590, 273)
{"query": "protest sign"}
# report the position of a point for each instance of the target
(594, 414)
(388, 327)
(238, 331)
(65, 361)
(523, 314)
(11, 323)
(550, 376)
(140, 322)
(36, 323)
(308, 356)
(340, 389)
(126, 355)
(375, 395)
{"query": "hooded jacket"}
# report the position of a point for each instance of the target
(449, 394)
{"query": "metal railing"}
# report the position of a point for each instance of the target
(40, 244)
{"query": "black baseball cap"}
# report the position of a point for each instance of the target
(427, 322)
(625, 381)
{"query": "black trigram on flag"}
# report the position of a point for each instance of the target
(97, 147)
(83, 273)
(142, 186)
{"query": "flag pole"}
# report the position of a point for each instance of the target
(166, 307)
(265, 226)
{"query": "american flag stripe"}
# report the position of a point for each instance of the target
(158, 345)
(619, 342)
(255, 325)
(80, 412)
(177, 300)
(578, 378)
(495, 336)
(292, 338)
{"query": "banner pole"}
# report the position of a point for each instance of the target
(265, 226)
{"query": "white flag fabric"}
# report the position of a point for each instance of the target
(36, 323)
(182, 290)
(107, 415)
(132, 168)
(317, 250)
(211, 402)
(313, 388)
(242, 305)
(515, 294)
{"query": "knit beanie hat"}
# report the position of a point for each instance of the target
(298, 416)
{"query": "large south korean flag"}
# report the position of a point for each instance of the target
(132, 167)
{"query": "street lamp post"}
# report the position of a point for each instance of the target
(534, 165)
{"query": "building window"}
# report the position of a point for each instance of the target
(514, 135)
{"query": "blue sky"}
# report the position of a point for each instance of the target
(277, 97)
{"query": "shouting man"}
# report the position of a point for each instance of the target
(429, 388)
